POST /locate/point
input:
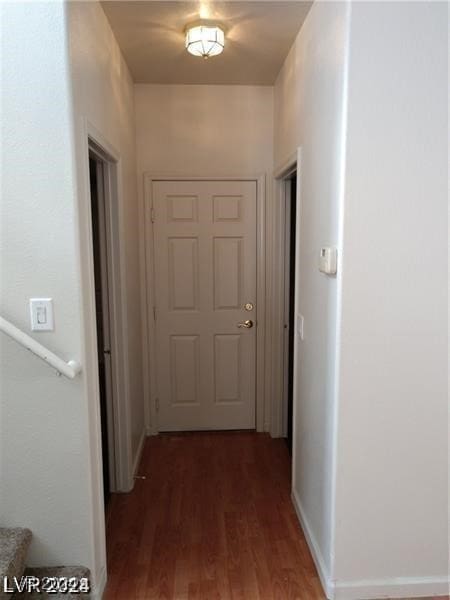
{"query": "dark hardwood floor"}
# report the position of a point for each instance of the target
(213, 519)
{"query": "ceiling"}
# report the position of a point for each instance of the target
(258, 38)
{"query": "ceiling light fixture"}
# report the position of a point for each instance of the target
(205, 40)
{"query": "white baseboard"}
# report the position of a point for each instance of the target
(137, 458)
(398, 587)
(136, 461)
(98, 590)
(314, 548)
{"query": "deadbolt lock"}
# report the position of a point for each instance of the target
(249, 306)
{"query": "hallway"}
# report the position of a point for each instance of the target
(212, 519)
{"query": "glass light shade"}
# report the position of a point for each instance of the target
(205, 40)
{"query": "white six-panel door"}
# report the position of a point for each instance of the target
(205, 274)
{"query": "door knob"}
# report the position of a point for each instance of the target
(247, 324)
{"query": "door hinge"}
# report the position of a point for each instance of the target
(157, 404)
(152, 214)
(154, 313)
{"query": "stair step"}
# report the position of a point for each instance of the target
(45, 574)
(14, 543)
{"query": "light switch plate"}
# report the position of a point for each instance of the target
(328, 260)
(300, 325)
(41, 314)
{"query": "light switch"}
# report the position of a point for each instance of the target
(328, 260)
(41, 313)
(300, 321)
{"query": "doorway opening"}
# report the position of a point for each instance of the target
(286, 246)
(289, 208)
(289, 302)
(100, 194)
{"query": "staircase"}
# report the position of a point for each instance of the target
(18, 581)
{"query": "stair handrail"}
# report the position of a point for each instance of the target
(70, 369)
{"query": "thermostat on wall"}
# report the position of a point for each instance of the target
(328, 260)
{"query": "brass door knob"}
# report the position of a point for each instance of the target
(246, 324)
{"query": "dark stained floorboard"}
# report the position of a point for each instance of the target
(212, 520)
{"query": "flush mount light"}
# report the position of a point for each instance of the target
(205, 40)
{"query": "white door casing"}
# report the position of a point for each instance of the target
(205, 266)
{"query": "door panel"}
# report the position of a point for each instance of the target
(183, 273)
(227, 273)
(205, 272)
(185, 369)
(227, 367)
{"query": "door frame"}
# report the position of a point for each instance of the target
(121, 479)
(107, 275)
(149, 301)
(279, 287)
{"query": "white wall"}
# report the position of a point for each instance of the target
(50, 466)
(309, 112)
(203, 130)
(391, 503)
(103, 94)
(364, 92)
(45, 470)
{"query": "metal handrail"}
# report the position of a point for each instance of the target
(69, 369)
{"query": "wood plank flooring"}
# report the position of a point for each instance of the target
(212, 520)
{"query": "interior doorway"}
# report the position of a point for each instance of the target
(100, 210)
(289, 301)
(288, 306)
(286, 245)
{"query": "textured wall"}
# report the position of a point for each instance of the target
(50, 442)
(103, 94)
(45, 468)
(364, 92)
(309, 112)
(391, 510)
(204, 129)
